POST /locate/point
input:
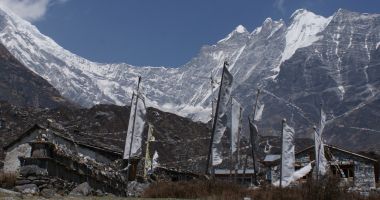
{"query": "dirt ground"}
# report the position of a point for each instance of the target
(7, 196)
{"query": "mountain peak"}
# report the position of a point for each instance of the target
(303, 31)
(240, 29)
(268, 20)
(301, 12)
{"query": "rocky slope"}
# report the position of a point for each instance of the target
(180, 143)
(105, 126)
(22, 87)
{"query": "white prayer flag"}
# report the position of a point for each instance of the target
(220, 126)
(259, 111)
(287, 156)
(320, 158)
(137, 128)
(235, 124)
(155, 163)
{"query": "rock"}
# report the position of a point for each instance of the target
(48, 193)
(40, 182)
(27, 189)
(43, 186)
(135, 189)
(31, 170)
(23, 182)
(32, 178)
(83, 189)
(99, 193)
(5, 192)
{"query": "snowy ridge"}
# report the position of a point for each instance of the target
(238, 29)
(303, 31)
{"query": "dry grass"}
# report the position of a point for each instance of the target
(322, 190)
(195, 189)
(7, 180)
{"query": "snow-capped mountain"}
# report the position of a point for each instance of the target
(314, 59)
(88, 83)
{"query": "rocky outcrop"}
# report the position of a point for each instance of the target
(23, 87)
(83, 189)
(33, 182)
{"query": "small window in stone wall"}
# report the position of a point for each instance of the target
(348, 170)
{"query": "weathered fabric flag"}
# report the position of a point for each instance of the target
(296, 175)
(259, 111)
(220, 125)
(155, 162)
(254, 137)
(148, 160)
(302, 172)
(133, 149)
(287, 156)
(254, 134)
(320, 158)
(235, 124)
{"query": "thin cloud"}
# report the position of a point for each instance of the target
(31, 10)
(280, 5)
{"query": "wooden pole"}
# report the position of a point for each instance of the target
(316, 153)
(251, 141)
(231, 153)
(133, 130)
(212, 98)
(238, 146)
(320, 142)
(282, 146)
(214, 123)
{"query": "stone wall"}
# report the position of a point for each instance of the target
(72, 171)
(364, 176)
(11, 161)
(34, 180)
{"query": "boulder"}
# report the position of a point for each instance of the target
(40, 182)
(99, 193)
(32, 170)
(27, 189)
(5, 192)
(83, 189)
(135, 189)
(23, 182)
(48, 193)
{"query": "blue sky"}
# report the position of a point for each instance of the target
(163, 32)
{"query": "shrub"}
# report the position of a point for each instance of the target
(195, 189)
(324, 189)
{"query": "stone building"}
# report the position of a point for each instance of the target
(54, 152)
(21, 147)
(358, 171)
